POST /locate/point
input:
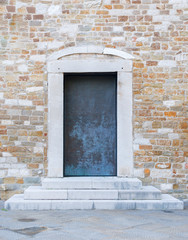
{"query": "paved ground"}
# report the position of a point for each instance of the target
(93, 225)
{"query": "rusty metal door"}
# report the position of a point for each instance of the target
(90, 124)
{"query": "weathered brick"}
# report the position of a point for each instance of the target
(11, 8)
(31, 9)
(38, 17)
(170, 114)
(151, 63)
(163, 165)
(122, 18)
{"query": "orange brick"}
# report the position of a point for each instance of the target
(151, 63)
(33, 165)
(84, 12)
(122, 18)
(138, 44)
(36, 133)
(170, 114)
(108, 6)
(102, 12)
(138, 65)
(183, 125)
(118, 7)
(176, 142)
(145, 147)
(9, 180)
(19, 181)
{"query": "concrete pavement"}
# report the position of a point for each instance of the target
(93, 225)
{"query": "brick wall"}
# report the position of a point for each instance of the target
(155, 32)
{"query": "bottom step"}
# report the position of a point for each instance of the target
(168, 202)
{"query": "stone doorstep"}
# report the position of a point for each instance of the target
(91, 183)
(167, 202)
(38, 193)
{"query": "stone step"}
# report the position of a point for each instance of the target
(17, 202)
(38, 193)
(91, 183)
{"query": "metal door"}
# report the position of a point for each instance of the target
(90, 125)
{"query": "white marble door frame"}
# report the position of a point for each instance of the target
(113, 61)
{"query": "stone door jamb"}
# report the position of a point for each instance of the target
(58, 65)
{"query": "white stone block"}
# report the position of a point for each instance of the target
(118, 39)
(55, 125)
(147, 124)
(14, 112)
(11, 101)
(166, 186)
(138, 139)
(161, 18)
(41, 8)
(72, 204)
(92, 194)
(169, 103)
(23, 102)
(20, 4)
(165, 130)
(42, 45)
(14, 172)
(38, 58)
(40, 108)
(38, 149)
(167, 63)
(26, 123)
(149, 205)
(25, 172)
(139, 173)
(17, 143)
(83, 65)
(3, 173)
(6, 154)
(18, 165)
(2, 159)
(39, 128)
(8, 62)
(54, 44)
(92, 3)
(23, 68)
(38, 193)
(11, 159)
(114, 204)
(17, 202)
(146, 193)
(69, 29)
(92, 183)
(173, 136)
(54, 10)
(6, 122)
(177, 1)
(163, 173)
(117, 29)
